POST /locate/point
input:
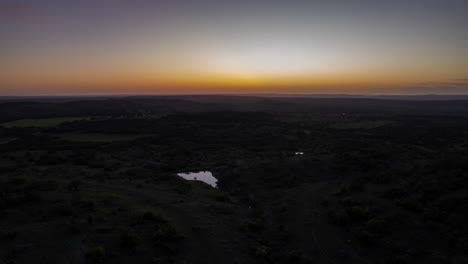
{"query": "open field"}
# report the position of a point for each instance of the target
(43, 122)
(360, 124)
(89, 137)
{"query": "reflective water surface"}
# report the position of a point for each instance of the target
(204, 176)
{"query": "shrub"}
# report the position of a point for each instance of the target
(365, 238)
(254, 226)
(9, 235)
(74, 227)
(74, 185)
(410, 204)
(347, 201)
(356, 186)
(96, 255)
(325, 202)
(460, 260)
(376, 226)
(358, 213)
(27, 198)
(128, 239)
(152, 216)
(351, 215)
(383, 179)
(50, 158)
(394, 193)
(338, 218)
(61, 210)
(84, 204)
(43, 185)
(182, 187)
(221, 196)
(17, 181)
(404, 259)
(262, 251)
(7, 261)
(294, 256)
(166, 234)
(341, 191)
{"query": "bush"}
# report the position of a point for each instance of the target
(404, 259)
(96, 255)
(74, 227)
(325, 201)
(152, 216)
(9, 235)
(358, 213)
(294, 256)
(376, 226)
(347, 201)
(27, 198)
(365, 238)
(356, 186)
(74, 185)
(166, 234)
(50, 158)
(128, 239)
(7, 262)
(17, 181)
(43, 185)
(84, 204)
(262, 251)
(394, 193)
(254, 226)
(61, 210)
(410, 204)
(341, 191)
(222, 197)
(460, 260)
(182, 187)
(338, 218)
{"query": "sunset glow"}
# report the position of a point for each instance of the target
(128, 47)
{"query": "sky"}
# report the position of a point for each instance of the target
(78, 47)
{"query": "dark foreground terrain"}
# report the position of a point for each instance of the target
(95, 180)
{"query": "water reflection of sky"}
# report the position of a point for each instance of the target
(204, 176)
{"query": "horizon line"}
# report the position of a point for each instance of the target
(225, 94)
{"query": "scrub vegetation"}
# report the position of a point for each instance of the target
(41, 122)
(382, 183)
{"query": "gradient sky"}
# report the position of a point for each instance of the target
(55, 47)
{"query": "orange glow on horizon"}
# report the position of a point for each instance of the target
(97, 47)
(212, 83)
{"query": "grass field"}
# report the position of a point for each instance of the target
(95, 137)
(360, 124)
(46, 122)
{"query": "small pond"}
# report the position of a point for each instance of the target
(204, 176)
